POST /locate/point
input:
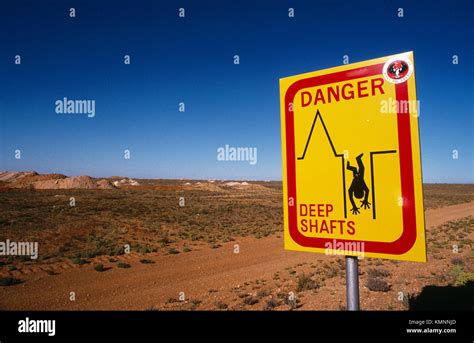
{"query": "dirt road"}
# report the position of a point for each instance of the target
(208, 275)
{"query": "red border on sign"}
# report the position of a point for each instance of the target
(408, 237)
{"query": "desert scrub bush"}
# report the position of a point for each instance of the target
(195, 237)
(377, 285)
(460, 276)
(250, 300)
(441, 278)
(305, 283)
(78, 260)
(99, 267)
(270, 304)
(144, 250)
(373, 273)
(457, 261)
(173, 251)
(331, 271)
(11, 267)
(9, 281)
(166, 240)
(116, 251)
(123, 265)
(146, 261)
(220, 305)
(195, 303)
(94, 253)
(187, 249)
(263, 293)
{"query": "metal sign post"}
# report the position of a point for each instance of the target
(352, 283)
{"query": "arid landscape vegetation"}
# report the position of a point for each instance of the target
(207, 245)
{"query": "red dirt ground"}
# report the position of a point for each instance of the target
(219, 278)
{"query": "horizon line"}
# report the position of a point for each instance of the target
(200, 179)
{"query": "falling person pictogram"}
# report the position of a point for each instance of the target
(358, 187)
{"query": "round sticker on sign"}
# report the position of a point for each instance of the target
(397, 69)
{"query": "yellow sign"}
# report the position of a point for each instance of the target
(351, 160)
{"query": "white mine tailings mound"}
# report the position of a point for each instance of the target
(233, 184)
(221, 186)
(245, 186)
(203, 186)
(126, 182)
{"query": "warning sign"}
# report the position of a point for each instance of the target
(351, 160)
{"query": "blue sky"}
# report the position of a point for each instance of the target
(190, 60)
